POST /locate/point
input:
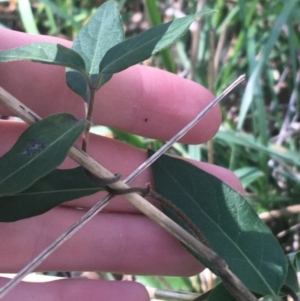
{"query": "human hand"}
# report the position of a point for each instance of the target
(141, 100)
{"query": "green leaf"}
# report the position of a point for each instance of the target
(57, 187)
(77, 82)
(142, 46)
(291, 277)
(220, 293)
(103, 31)
(47, 53)
(291, 286)
(226, 220)
(294, 259)
(38, 151)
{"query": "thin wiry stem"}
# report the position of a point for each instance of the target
(181, 133)
(235, 286)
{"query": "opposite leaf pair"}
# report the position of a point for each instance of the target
(99, 49)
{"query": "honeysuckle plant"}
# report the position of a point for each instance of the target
(212, 212)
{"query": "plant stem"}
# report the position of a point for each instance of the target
(235, 286)
(181, 133)
(89, 118)
(168, 204)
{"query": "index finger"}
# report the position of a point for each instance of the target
(142, 100)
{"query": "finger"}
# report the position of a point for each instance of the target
(120, 243)
(139, 245)
(44, 229)
(142, 100)
(77, 290)
(116, 157)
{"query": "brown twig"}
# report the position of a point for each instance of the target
(166, 203)
(267, 216)
(147, 191)
(234, 285)
(220, 47)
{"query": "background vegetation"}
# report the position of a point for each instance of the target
(259, 136)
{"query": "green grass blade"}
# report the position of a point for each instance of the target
(194, 152)
(247, 175)
(155, 18)
(27, 17)
(129, 138)
(53, 28)
(56, 9)
(255, 76)
(279, 153)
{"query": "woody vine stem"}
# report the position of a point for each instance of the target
(89, 115)
(236, 287)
